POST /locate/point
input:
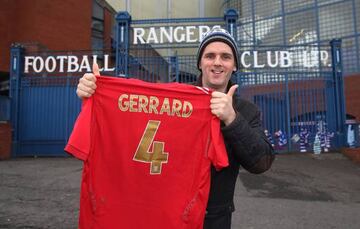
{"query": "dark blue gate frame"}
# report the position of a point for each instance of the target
(123, 62)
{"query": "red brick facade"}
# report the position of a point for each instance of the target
(54, 25)
(109, 25)
(64, 25)
(352, 153)
(5, 140)
(351, 90)
(352, 96)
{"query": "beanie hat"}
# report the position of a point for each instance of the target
(218, 34)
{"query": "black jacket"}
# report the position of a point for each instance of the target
(247, 146)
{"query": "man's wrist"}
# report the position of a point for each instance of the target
(230, 119)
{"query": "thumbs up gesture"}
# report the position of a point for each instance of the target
(221, 105)
(87, 83)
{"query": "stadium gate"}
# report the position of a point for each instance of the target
(299, 89)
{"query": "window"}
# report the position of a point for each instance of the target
(97, 27)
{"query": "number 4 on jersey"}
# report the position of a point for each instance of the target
(157, 156)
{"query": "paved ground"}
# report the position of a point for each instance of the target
(300, 191)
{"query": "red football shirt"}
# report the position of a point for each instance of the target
(147, 150)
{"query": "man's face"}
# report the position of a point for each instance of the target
(217, 63)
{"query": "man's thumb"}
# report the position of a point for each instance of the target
(95, 69)
(232, 90)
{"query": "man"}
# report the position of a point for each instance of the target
(245, 141)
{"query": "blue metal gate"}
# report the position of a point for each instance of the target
(300, 102)
(295, 101)
(44, 105)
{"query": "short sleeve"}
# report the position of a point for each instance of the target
(217, 151)
(79, 141)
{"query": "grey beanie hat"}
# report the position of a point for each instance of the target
(218, 34)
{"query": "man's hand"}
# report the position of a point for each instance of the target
(87, 83)
(221, 105)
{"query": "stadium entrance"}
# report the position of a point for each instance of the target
(299, 89)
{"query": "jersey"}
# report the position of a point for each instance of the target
(147, 150)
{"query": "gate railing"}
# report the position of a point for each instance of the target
(5, 108)
(302, 107)
(44, 105)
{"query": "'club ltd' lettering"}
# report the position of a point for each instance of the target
(152, 104)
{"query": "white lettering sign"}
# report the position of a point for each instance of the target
(248, 59)
(178, 34)
(284, 59)
(69, 64)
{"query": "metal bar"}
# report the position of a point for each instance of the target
(287, 94)
(15, 83)
(356, 37)
(177, 20)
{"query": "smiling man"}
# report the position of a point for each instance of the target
(246, 143)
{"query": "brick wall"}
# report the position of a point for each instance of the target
(108, 27)
(5, 140)
(352, 96)
(352, 153)
(57, 25)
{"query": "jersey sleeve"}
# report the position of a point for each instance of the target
(79, 141)
(217, 152)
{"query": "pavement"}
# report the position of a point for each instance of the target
(299, 191)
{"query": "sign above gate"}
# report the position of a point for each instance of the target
(170, 34)
(249, 59)
(68, 64)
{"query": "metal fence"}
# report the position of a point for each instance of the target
(298, 88)
(298, 22)
(300, 102)
(44, 104)
(5, 108)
